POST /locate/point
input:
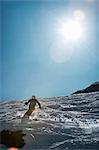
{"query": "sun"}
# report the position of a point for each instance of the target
(71, 30)
(73, 27)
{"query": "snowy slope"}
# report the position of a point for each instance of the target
(69, 122)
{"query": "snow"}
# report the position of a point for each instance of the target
(76, 117)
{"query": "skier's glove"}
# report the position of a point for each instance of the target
(26, 103)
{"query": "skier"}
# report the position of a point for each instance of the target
(32, 105)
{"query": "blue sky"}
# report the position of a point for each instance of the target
(29, 31)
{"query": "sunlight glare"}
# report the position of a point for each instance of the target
(69, 31)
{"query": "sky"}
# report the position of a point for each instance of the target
(48, 47)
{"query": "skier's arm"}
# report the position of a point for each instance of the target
(27, 102)
(38, 103)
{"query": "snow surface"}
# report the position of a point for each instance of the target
(68, 122)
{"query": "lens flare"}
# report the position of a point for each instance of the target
(79, 15)
(61, 52)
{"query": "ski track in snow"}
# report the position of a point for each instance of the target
(75, 115)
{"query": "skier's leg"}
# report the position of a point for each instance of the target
(30, 112)
(26, 114)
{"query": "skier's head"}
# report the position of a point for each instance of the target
(33, 97)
